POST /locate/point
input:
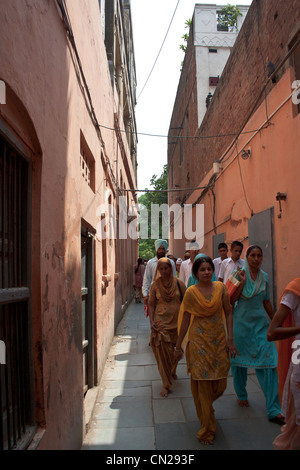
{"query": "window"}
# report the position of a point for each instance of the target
(104, 248)
(87, 163)
(213, 51)
(213, 81)
(221, 26)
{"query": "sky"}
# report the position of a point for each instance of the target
(156, 93)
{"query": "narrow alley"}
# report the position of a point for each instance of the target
(83, 142)
(129, 414)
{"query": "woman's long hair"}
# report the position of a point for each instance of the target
(140, 261)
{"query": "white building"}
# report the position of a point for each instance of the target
(213, 43)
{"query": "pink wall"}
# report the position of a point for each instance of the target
(38, 67)
(273, 167)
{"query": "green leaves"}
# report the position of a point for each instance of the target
(185, 37)
(157, 196)
(228, 16)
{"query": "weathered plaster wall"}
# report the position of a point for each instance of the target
(39, 65)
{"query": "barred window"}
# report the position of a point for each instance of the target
(16, 422)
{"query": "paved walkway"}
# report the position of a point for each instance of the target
(129, 414)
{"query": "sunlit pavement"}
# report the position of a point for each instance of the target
(129, 414)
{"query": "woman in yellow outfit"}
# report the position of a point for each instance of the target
(201, 329)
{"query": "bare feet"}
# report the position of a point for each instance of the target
(206, 442)
(243, 403)
(164, 392)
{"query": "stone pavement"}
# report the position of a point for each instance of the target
(129, 414)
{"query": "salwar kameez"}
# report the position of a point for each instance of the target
(208, 362)
(205, 392)
(164, 329)
(139, 274)
(268, 381)
(250, 326)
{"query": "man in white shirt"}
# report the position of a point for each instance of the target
(222, 250)
(186, 266)
(161, 248)
(230, 264)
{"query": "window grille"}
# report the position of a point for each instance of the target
(213, 81)
(87, 163)
(15, 382)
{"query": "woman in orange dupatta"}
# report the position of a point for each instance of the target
(201, 328)
(285, 345)
(166, 293)
(285, 326)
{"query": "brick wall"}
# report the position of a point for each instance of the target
(264, 37)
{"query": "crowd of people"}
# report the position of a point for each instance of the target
(193, 311)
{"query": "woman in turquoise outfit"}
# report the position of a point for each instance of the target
(250, 326)
(192, 279)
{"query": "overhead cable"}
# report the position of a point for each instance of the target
(159, 51)
(180, 136)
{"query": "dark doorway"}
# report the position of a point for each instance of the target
(87, 296)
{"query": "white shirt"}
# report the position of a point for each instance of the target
(217, 262)
(292, 301)
(149, 274)
(228, 266)
(185, 270)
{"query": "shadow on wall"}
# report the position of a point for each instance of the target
(36, 122)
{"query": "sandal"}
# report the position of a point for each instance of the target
(279, 419)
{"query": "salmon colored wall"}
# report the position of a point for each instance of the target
(274, 166)
(38, 66)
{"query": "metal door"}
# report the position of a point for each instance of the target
(260, 231)
(87, 298)
(217, 239)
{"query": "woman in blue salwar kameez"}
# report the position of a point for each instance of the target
(251, 309)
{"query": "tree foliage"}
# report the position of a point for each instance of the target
(158, 183)
(228, 16)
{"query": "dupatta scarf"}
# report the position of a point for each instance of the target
(251, 287)
(293, 286)
(197, 305)
(169, 289)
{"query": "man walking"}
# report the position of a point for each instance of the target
(186, 266)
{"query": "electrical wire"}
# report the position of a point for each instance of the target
(242, 180)
(159, 51)
(161, 190)
(236, 134)
(68, 27)
(83, 83)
